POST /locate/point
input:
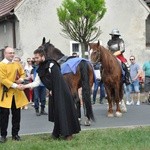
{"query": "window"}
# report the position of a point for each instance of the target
(76, 47)
(148, 31)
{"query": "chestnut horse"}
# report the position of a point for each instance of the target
(111, 76)
(83, 78)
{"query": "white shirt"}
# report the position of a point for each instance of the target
(37, 80)
(35, 83)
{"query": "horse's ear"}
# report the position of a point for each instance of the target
(44, 41)
(49, 41)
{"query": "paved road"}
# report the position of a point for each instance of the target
(136, 115)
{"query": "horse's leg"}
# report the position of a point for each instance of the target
(122, 103)
(77, 102)
(87, 121)
(117, 100)
(110, 102)
(123, 106)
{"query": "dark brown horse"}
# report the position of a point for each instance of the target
(111, 76)
(83, 78)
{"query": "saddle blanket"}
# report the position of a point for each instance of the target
(71, 65)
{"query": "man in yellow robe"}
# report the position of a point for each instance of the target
(11, 96)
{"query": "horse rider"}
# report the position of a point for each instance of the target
(117, 47)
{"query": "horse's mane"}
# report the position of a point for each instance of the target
(107, 52)
(111, 59)
(51, 51)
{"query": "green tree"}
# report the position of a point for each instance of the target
(79, 20)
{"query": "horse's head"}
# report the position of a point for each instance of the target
(50, 51)
(95, 52)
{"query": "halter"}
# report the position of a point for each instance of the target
(42, 48)
(98, 53)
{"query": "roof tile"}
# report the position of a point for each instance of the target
(6, 6)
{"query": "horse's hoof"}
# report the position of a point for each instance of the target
(118, 114)
(87, 123)
(124, 110)
(123, 107)
(110, 115)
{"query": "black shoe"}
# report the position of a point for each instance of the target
(93, 103)
(101, 102)
(3, 139)
(69, 138)
(37, 112)
(44, 113)
(16, 138)
(55, 137)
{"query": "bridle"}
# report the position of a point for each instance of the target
(43, 50)
(97, 54)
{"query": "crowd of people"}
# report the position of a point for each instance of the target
(21, 84)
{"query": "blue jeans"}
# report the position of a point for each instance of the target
(135, 86)
(127, 91)
(39, 96)
(98, 83)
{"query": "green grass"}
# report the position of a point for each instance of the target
(101, 139)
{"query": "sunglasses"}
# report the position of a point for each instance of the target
(11, 53)
(28, 61)
(131, 59)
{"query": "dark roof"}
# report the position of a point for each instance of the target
(7, 6)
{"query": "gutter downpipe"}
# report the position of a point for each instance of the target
(144, 5)
(13, 29)
(14, 33)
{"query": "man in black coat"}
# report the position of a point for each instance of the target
(62, 110)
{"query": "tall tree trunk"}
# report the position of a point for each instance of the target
(84, 48)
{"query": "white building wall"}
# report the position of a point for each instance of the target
(38, 19)
(129, 17)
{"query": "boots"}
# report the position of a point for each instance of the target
(127, 78)
(101, 101)
(43, 112)
(37, 112)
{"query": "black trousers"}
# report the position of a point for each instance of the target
(4, 119)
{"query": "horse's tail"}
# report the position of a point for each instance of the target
(86, 89)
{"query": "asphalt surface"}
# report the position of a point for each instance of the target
(136, 116)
